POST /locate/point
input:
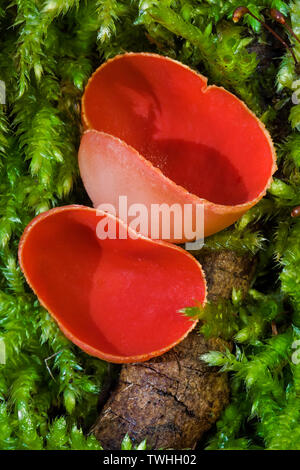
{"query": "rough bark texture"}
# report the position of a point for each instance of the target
(225, 270)
(173, 399)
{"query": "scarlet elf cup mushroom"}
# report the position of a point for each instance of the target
(158, 134)
(116, 299)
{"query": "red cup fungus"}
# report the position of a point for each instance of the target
(158, 134)
(117, 299)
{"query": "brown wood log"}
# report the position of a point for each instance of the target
(173, 399)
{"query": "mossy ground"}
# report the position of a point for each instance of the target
(48, 387)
